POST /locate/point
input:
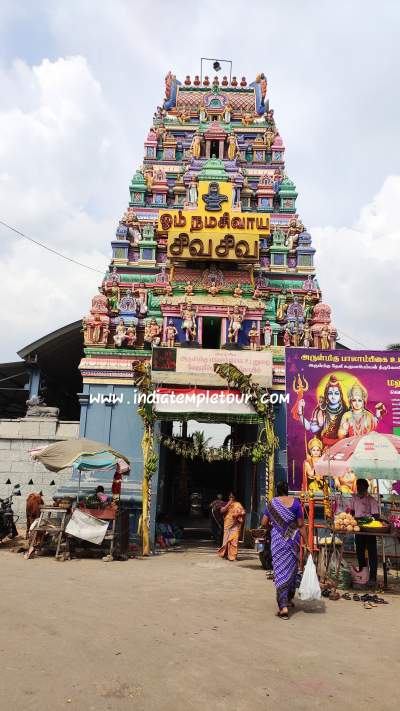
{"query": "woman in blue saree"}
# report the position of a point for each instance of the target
(285, 516)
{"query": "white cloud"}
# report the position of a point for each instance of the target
(59, 145)
(359, 271)
(72, 129)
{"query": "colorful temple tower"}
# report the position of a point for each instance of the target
(210, 256)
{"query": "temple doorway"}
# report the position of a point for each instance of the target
(188, 486)
(211, 332)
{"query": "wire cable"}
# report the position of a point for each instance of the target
(85, 266)
(49, 249)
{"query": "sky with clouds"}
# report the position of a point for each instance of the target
(79, 82)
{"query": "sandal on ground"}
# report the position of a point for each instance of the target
(356, 597)
(282, 615)
(326, 592)
(346, 596)
(334, 595)
(368, 606)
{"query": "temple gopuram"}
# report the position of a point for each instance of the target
(210, 265)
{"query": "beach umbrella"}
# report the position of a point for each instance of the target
(81, 453)
(371, 456)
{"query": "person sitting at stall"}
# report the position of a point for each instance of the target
(363, 504)
(98, 500)
(164, 534)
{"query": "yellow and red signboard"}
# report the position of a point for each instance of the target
(219, 233)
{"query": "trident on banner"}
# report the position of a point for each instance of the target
(300, 386)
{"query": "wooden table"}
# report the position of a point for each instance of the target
(52, 521)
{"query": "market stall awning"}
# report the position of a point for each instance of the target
(203, 405)
(78, 453)
(373, 455)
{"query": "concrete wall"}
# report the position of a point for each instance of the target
(17, 437)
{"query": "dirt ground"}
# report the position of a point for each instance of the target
(184, 631)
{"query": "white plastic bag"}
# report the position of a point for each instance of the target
(309, 587)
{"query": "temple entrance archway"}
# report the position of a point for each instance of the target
(187, 486)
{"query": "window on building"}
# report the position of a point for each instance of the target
(304, 260)
(278, 259)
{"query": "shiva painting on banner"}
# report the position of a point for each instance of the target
(333, 395)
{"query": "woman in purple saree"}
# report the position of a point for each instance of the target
(285, 515)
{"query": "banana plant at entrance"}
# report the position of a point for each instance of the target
(142, 380)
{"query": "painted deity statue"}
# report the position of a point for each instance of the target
(227, 113)
(95, 324)
(269, 136)
(311, 480)
(324, 336)
(253, 337)
(287, 341)
(232, 147)
(196, 146)
(308, 305)
(113, 297)
(128, 303)
(131, 335)
(202, 112)
(154, 333)
(141, 304)
(267, 331)
(327, 416)
(307, 336)
(238, 291)
(213, 289)
(171, 334)
(120, 333)
(192, 193)
(281, 305)
(189, 289)
(235, 323)
(358, 420)
(188, 315)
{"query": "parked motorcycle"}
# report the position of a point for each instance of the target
(7, 516)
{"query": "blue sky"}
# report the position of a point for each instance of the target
(79, 82)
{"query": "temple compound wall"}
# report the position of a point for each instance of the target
(17, 438)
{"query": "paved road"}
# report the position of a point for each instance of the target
(184, 631)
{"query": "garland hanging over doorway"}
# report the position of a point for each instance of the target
(235, 378)
(196, 447)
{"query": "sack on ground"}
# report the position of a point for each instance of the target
(309, 587)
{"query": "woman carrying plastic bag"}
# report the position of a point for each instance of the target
(285, 515)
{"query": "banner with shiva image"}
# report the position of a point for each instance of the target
(337, 394)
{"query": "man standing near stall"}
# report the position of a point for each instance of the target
(363, 504)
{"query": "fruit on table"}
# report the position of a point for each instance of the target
(346, 522)
(374, 524)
